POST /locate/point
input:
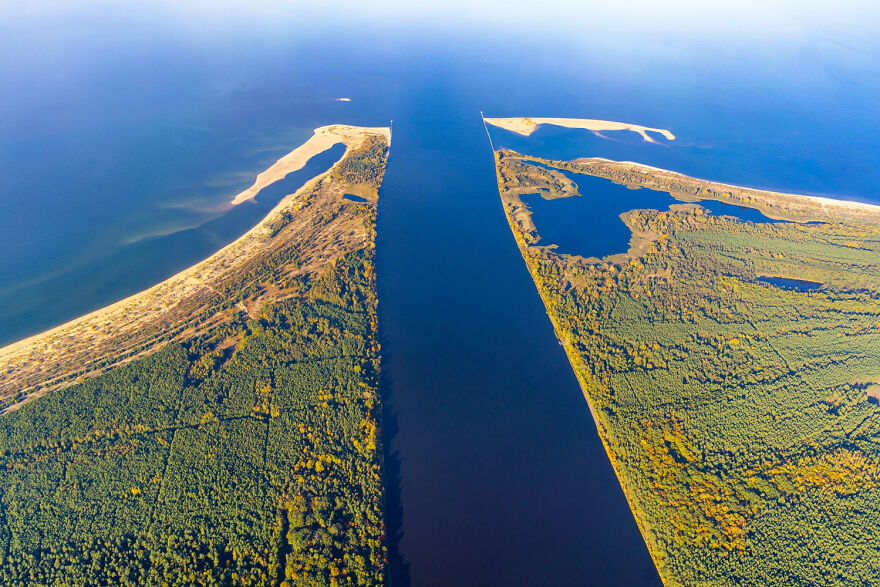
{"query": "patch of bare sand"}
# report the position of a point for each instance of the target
(827, 204)
(324, 138)
(526, 126)
(39, 362)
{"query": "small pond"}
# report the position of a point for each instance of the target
(791, 283)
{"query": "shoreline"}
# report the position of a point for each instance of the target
(571, 356)
(323, 139)
(27, 364)
(525, 126)
(797, 208)
(822, 200)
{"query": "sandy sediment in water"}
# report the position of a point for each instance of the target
(526, 126)
(324, 138)
(134, 326)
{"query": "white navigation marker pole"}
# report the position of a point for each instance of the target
(483, 118)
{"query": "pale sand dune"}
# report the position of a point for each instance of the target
(526, 126)
(324, 138)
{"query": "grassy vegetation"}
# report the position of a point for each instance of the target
(741, 418)
(244, 452)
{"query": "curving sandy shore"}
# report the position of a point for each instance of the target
(324, 138)
(776, 205)
(526, 126)
(136, 324)
(756, 194)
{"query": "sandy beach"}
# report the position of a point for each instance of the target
(324, 138)
(822, 201)
(526, 126)
(41, 356)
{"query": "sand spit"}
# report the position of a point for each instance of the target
(827, 204)
(526, 126)
(775, 205)
(324, 138)
(140, 324)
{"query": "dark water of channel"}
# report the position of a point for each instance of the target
(496, 475)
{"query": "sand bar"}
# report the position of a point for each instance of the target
(45, 361)
(324, 138)
(822, 201)
(526, 126)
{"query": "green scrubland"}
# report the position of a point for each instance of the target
(247, 453)
(741, 417)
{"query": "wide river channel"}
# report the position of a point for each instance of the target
(122, 139)
(496, 475)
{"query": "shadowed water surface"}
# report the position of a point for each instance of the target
(496, 473)
(791, 283)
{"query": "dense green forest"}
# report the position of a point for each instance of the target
(741, 416)
(247, 453)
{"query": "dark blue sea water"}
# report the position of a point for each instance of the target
(124, 132)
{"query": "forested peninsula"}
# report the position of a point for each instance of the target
(731, 368)
(219, 428)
